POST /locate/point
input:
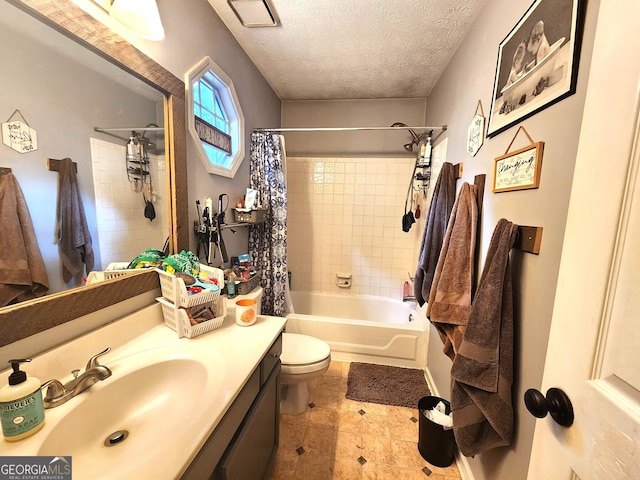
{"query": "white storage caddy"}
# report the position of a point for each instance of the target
(113, 270)
(175, 299)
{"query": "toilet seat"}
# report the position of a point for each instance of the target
(302, 350)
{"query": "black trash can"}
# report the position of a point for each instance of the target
(436, 445)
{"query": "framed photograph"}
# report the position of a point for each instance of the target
(518, 170)
(537, 62)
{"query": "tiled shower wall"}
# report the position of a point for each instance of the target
(123, 231)
(345, 217)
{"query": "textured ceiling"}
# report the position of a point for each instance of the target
(348, 49)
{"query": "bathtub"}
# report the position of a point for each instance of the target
(363, 328)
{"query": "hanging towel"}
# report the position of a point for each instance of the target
(450, 297)
(73, 234)
(23, 274)
(482, 371)
(444, 196)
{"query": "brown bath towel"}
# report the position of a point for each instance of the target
(444, 196)
(450, 297)
(482, 371)
(23, 274)
(74, 238)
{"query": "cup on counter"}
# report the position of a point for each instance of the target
(246, 312)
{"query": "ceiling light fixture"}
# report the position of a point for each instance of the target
(139, 16)
(255, 13)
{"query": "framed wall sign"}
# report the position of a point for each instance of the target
(475, 132)
(537, 62)
(18, 135)
(520, 169)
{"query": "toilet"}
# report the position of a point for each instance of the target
(303, 358)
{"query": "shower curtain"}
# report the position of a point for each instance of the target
(268, 240)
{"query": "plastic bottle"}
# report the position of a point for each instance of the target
(21, 404)
(231, 285)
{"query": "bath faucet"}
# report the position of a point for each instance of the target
(57, 393)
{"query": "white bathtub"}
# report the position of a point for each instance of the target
(363, 328)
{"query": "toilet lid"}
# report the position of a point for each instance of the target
(300, 349)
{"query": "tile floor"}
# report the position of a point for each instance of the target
(340, 439)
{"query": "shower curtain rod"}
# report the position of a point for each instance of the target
(120, 129)
(109, 131)
(342, 129)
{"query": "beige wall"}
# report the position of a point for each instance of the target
(469, 78)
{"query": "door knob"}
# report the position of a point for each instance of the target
(556, 403)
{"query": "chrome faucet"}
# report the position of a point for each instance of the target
(57, 393)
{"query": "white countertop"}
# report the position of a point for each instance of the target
(240, 348)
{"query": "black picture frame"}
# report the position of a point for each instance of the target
(537, 62)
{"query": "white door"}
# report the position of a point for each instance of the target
(594, 345)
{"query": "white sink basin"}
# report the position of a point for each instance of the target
(140, 419)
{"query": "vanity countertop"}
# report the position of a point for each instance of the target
(234, 352)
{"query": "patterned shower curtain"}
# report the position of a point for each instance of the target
(268, 240)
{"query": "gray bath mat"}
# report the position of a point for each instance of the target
(397, 386)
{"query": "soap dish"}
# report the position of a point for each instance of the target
(177, 319)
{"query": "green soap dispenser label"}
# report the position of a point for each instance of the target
(21, 415)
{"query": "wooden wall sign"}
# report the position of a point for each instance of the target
(212, 135)
(475, 132)
(18, 135)
(520, 169)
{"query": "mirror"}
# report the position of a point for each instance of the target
(67, 18)
(64, 91)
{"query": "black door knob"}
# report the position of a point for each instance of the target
(556, 403)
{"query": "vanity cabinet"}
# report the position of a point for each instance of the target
(244, 443)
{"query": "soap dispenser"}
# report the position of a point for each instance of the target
(21, 404)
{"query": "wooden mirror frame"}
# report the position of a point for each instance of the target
(31, 317)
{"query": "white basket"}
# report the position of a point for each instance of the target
(113, 270)
(101, 276)
(177, 319)
(214, 273)
(174, 290)
(117, 266)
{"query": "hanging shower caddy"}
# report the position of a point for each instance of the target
(137, 161)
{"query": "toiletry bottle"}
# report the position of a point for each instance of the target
(231, 288)
(21, 404)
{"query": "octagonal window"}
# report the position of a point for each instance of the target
(215, 118)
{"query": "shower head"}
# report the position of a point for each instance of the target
(409, 146)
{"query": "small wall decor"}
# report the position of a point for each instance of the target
(475, 133)
(19, 135)
(520, 169)
(537, 62)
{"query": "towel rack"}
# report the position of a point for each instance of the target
(457, 172)
(4, 171)
(53, 165)
(529, 239)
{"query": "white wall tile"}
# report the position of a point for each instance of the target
(352, 224)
